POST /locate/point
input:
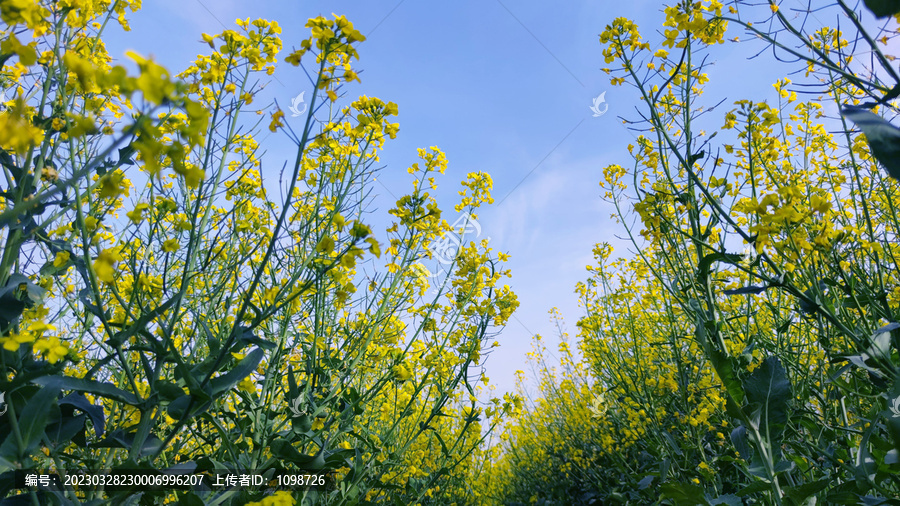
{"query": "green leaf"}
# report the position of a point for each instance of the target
(674, 444)
(725, 366)
(693, 158)
(107, 390)
(18, 294)
(65, 429)
(705, 264)
(284, 449)
(746, 290)
(190, 499)
(739, 440)
(293, 392)
(94, 411)
(246, 337)
(727, 499)
(32, 293)
(843, 497)
(32, 421)
(243, 369)
(684, 494)
(5, 466)
(122, 439)
(177, 408)
(169, 391)
(799, 494)
(726, 369)
(125, 155)
(768, 396)
(757, 486)
(301, 424)
(883, 8)
(893, 422)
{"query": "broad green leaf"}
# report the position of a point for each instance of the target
(122, 439)
(301, 424)
(32, 422)
(245, 337)
(727, 499)
(179, 406)
(768, 397)
(243, 369)
(746, 290)
(799, 494)
(672, 443)
(284, 449)
(739, 440)
(292, 383)
(66, 428)
(18, 294)
(705, 264)
(107, 390)
(724, 365)
(893, 421)
(883, 8)
(169, 391)
(684, 494)
(757, 486)
(94, 411)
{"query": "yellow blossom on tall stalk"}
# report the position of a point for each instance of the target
(749, 346)
(153, 273)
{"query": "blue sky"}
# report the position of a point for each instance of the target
(502, 87)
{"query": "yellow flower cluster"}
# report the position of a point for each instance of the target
(696, 19)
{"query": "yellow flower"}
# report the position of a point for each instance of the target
(62, 257)
(104, 265)
(170, 245)
(154, 80)
(52, 348)
(276, 120)
(280, 498)
(14, 340)
(137, 215)
(401, 372)
(17, 133)
(114, 184)
(247, 385)
(209, 40)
